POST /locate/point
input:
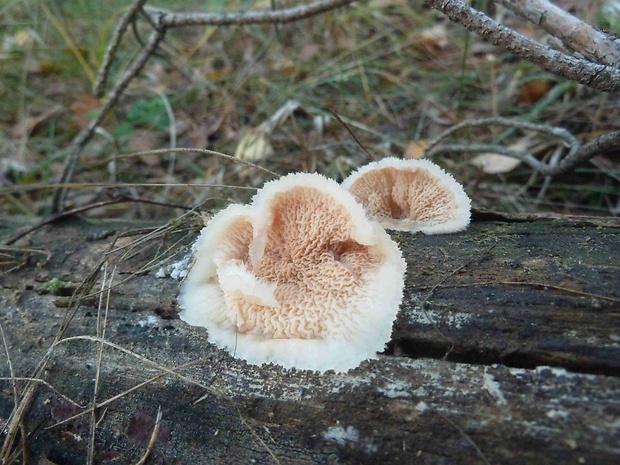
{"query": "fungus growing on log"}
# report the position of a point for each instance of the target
(300, 277)
(410, 195)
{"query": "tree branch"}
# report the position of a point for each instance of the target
(598, 76)
(576, 34)
(127, 19)
(282, 16)
(161, 20)
(86, 134)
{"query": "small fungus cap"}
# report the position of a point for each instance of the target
(411, 195)
(301, 278)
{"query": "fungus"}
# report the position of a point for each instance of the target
(410, 195)
(301, 278)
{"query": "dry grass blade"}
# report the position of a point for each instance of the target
(468, 438)
(196, 150)
(337, 116)
(125, 393)
(102, 321)
(24, 402)
(169, 371)
(47, 385)
(153, 438)
(11, 371)
(146, 360)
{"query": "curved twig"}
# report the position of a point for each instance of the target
(162, 20)
(577, 153)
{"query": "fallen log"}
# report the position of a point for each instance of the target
(506, 350)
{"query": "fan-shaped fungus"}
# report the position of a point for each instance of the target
(410, 195)
(300, 278)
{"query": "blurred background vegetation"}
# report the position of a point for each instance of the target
(397, 72)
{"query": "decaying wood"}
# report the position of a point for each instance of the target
(506, 350)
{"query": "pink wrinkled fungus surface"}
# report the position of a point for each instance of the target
(300, 277)
(411, 195)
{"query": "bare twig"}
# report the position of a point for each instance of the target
(595, 147)
(86, 134)
(161, 20)
(577, 153)
(46, 384)
(595, 75)
(577, 35)
(115, 42)
(238, 18)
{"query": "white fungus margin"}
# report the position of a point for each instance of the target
(411, 195)
(301, 278)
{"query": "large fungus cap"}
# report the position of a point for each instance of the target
(411, 195)
(300, 278)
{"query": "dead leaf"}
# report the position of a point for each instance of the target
(254, 146)
(493, 163)
(532, 91)
(432, 39)
(140, 428)
(82, 108)
(415, 149)
(142, 140)
(27, 125)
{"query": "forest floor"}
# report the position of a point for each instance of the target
(397, 72)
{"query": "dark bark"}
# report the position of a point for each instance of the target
(531, 374)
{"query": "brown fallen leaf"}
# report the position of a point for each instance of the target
(142, 140)
(532, 91)
(82, 107)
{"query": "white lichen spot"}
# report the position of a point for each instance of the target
(341, 435)
(557, 414)
(395, 390)
(422, 406)
(342, 382)
(493, 388)
(453, 319)
(150, 321)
